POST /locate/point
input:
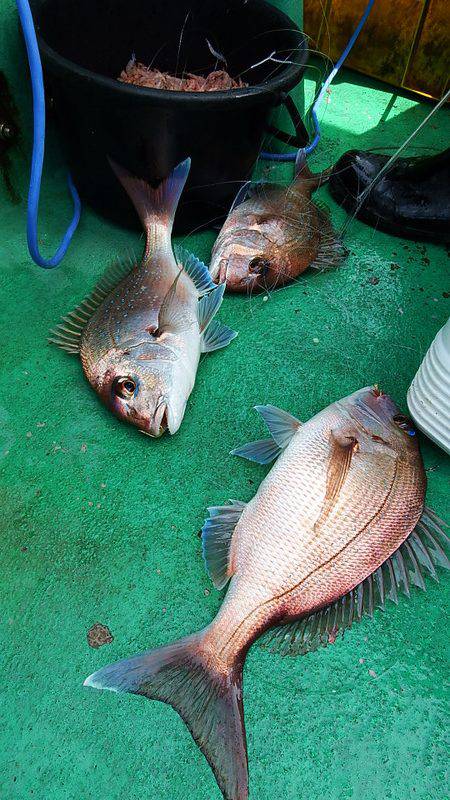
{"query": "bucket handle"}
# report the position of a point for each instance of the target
(301, 137)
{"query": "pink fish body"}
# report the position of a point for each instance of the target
(333, 529)
(274, 235)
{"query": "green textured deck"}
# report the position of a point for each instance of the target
(100, 524)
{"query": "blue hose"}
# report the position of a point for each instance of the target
(37, 159)
(300, 155)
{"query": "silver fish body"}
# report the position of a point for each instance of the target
(122, 340)
(142, 330)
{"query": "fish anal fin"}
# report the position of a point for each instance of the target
(417, 558)
(217, 533)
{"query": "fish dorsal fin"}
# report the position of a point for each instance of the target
(263, 451)
(417, 557)
(282, 426)
(208, 306)
(196, 269)
(217, 533)
(67, 333)
(331, 251)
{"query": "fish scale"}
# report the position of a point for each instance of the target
(337, 526)
(273, 234)
(142, 329)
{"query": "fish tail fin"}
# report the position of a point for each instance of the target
(209, 701)
(155, 206)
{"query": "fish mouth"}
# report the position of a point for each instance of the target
(220, 272)
(371, 404)
(159, 423)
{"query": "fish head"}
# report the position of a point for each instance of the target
(251, 270)
(140, 391)
(251, 259)
(379, 419)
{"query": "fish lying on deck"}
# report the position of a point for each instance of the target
(274, 235)
(141, 331)
(336, 528)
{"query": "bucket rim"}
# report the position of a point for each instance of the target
(284, 81)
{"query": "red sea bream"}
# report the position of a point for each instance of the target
(141, 332)
(336, 527)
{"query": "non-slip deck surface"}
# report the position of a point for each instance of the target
(100, 524)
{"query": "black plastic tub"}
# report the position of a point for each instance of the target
(86, 43)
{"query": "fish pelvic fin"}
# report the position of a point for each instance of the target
(282, 427)
(208, 700)
(262, 451)
(156, 207)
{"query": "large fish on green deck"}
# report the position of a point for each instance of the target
(336, 528)
(141, 331)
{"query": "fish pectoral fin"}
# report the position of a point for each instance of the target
(343, 443)
(216, 336)
(67, 333)
(282, 426)
(217, 533)
(208, 306)
(196, 269)
(417, 558)
(263, 451)
(172, 314)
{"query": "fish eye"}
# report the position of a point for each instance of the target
(405, 423)
(259, 265)
(124, 387)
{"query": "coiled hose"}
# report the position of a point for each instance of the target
(37, 158)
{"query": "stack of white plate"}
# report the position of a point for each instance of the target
(429, 393)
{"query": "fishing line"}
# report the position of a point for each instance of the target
(37, 158)
(300, 155)
(361, 198)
